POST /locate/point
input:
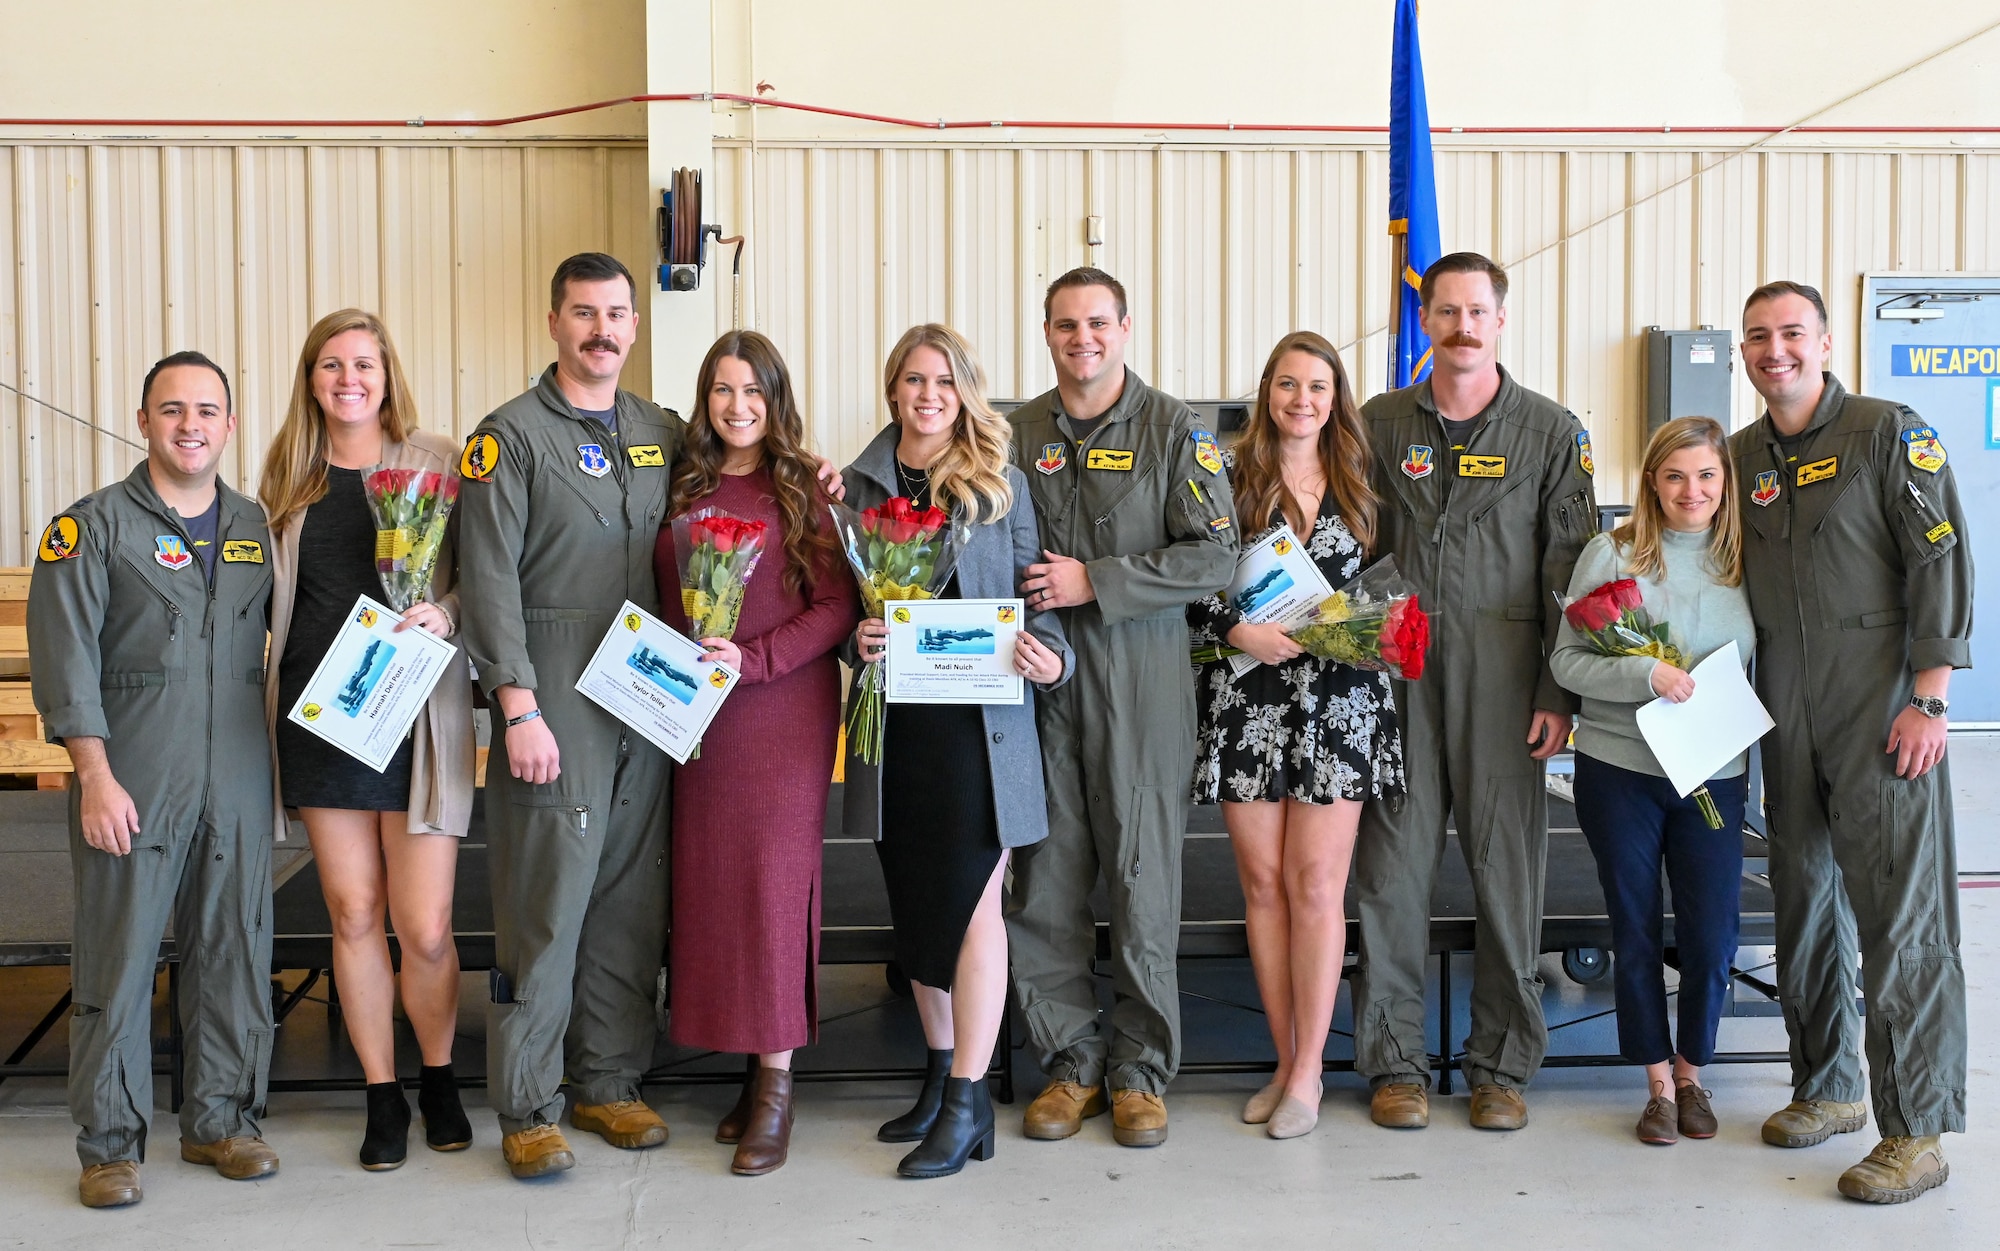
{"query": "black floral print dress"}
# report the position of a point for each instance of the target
(1309, 729)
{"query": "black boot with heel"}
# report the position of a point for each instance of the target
(445, 1126)
(963, 1130)
(386, 1142)
(911, 1126)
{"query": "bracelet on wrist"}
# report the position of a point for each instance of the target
(530, 715)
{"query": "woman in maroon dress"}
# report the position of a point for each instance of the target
(749, 811)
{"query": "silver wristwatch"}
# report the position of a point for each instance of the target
(1930, 707)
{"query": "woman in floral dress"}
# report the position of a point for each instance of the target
(1293, 747)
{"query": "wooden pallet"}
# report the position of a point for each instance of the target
(22, 748)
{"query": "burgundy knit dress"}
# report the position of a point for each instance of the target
(749, 813)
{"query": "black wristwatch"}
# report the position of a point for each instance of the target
(1930, 707)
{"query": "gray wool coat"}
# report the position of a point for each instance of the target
(990, 567)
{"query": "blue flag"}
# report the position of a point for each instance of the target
(1413, 210)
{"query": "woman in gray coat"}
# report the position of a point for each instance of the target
(958, 784)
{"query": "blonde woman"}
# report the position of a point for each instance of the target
(1684, 547)
(959, 786)
(386, 844)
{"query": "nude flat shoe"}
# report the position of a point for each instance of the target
(1294, 1118)
(1262, 1104)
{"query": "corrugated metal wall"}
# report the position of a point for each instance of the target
(112, 255)
(1225, 249)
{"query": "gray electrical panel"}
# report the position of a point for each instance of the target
(1687, 375)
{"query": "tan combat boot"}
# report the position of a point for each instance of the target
(536, 1150)
(627, 1123)
(1897, 1171)
(1061, 1109)
(1810, 1122)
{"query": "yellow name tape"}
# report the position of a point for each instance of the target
(1108, 458)
(1482, 466)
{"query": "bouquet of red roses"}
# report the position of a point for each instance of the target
(897, 552)
(1374, 622)
(410, 507)
(717, 552)
(1614, 620)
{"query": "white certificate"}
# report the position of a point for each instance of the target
(953, 651)
(372, 683)
(1275, 580)
(653, 678)
(1711, 727)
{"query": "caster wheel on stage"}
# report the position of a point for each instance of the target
(1586, 964)
(899, 981)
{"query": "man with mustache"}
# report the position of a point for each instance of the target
(1487, 502)
(1859, 571)
(146, 617)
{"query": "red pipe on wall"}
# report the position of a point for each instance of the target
(487, 123)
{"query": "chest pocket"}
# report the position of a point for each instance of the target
(1927, 534)
(1107, 492)
(153, 614)
(244, 592)
(562, 489)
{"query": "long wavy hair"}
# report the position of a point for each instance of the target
(794, 472)
(970, 476)
(1343, 453)
(294, 477)
(1638, 539)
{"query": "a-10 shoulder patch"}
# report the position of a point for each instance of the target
(480, 458)
(59, 541)
(1925, 449)
(1205, 452)
(1583, 459)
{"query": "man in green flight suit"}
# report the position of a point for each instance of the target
(1486, 503)
(146, 618)
(1136, 514)
(564, 489)
(1859, 572)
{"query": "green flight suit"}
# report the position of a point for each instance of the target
(1155, 527)
(558, 521)
(133, 645)
(1859, 570)
(1488, 537)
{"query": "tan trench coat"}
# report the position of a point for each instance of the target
(441, 777)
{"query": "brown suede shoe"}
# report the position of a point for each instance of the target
(1697, 1118)
(1498, 1107)
(1659, 1124)
(1138, 1118)
(729, 1130)
(1897, 1171)
(1400, 1105)
(767, 1133)
(110, 1185)
(1061, 1109)
(536, 1150)
(627, 1123)
(238, 1159)
(1809, 1122)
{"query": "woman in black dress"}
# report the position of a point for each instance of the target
(1292, 747)
(958, 785)
(383, 842)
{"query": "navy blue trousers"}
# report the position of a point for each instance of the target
(1636, 825)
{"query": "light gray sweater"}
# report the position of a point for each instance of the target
(1703, 614)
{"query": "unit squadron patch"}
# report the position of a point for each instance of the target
(1925, 450)
(171, 551)
(1583, 459)
(59, 540)
(480, 458)
(1054, 457)
(1418, 462)
(591, 459)
(1205, 453)
(1766, 489)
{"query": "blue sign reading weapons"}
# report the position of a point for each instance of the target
(361, 683)
(661, 673)
(940, 641)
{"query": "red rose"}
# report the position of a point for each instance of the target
(721, 535)
(1407, 633)
(1624, 593)
(1593, 612)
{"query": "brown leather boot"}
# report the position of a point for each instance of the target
(238, 1159)
(1061, 1109)
(767, 1133)
(729, 1130)
(110, 1185)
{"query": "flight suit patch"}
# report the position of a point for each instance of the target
(647, 456)
(591, 459)
(1219, 525)
(1766, 489)
(171, 552)
(1482, 466)
(59, 540)
(1818, 471)
(1925, 450)
(1205, 453)
(1418, 462)
(1116, 459)
(480, 458)
(1938, 531)
(242, 552)
(1054, 457)
(1583, 459)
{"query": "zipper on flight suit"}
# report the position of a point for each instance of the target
(174, 614)
(595, 511)
(1131, 485)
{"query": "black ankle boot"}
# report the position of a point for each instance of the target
(445, 1126)
(911, 1126)
(387, 1140)
(964, 1130)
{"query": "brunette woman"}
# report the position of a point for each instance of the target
(958, 785)
(385, 844)
(749, 812)
(1293, 747)
(1684, 549)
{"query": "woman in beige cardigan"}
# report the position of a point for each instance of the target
(386, 843)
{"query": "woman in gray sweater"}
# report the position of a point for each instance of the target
(1683, 546)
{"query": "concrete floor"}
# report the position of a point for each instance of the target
(1575, 1177)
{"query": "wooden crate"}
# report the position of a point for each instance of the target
(22, 749)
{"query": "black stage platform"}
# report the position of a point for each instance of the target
(35, 919)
